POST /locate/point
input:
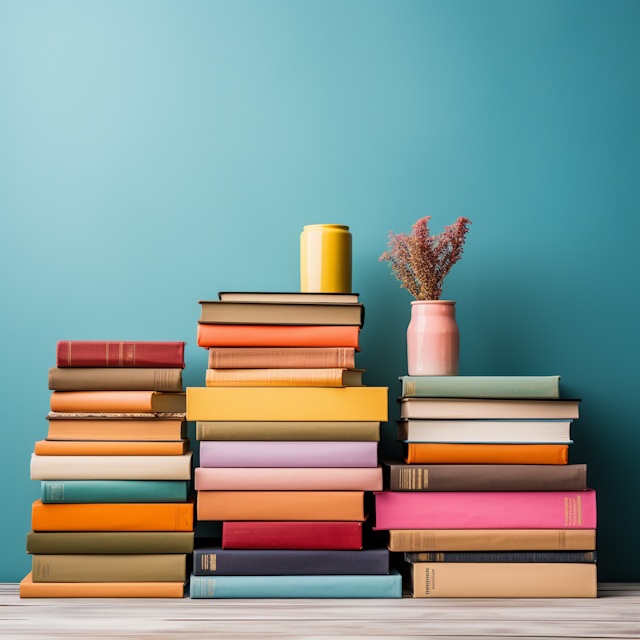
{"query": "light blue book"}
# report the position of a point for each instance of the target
(480, 386)
(100, 491)
(389, 586)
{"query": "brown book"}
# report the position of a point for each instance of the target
(492, 540)
(306, 431)
(110, 448)
(131, 429)
(165, 567)
(400, 476)
(281, 313)
(114, 379)
(118, 401)
(282, 357)
(503, 580)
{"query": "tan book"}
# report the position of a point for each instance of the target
(282, 357)
(110, 448)
(165, 567)
(281, 313)
(154, 430)
(288, 431)
(492, 540)
(109, 542)
(114, 379)
(503, 580)
(284, 378)
(254, 296)
(118, 401)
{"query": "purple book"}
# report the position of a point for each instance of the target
(288, 454)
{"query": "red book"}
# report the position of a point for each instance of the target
(292, 535)
(90, 353)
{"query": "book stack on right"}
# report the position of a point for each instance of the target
(485, 504)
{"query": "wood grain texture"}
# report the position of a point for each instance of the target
(615, 614)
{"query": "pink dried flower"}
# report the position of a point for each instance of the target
(421, 261)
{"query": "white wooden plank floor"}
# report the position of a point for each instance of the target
(615, 614)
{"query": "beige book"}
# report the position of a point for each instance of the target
(111, 467)
(290, 431)
(503, 580)
(492, 540)
(284, 377)
(307, 298)
(166, 567)
(114, 379)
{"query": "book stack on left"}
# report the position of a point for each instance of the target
(114, 518)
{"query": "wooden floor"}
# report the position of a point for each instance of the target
(615, 614)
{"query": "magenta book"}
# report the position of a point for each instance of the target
(486, 510)
(224, 453)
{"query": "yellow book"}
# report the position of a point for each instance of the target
(357, 404)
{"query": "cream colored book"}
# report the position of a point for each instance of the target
(111, 467)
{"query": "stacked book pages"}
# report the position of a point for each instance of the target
(485, 504)
(288, 447)
(114, 518)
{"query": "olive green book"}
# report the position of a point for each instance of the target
(110, 542)
(150, 567)
(288, 431)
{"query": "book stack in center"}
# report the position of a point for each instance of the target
(114, 519)
(288, 448)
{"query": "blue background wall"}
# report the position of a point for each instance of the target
(154, 153)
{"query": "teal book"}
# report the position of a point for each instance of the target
(115, 491)
(480, 386)
(371, 586)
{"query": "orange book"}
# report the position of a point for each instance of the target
(110, 448)
(251, 335)
(117, 402)
(154, 430)
(284, 378)
(428, 453)
(112, 517)
(31, 589)
(281, 505)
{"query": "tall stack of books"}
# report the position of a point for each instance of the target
(485, 504)
(288, 448)
(114, 519)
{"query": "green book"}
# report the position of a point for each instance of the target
(114, 491)
(480, 386)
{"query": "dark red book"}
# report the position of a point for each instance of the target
(292, 535)
(98, 353)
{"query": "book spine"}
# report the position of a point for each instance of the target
(504, 580)
(281, 358)
(110, 542)
(226, 562)
(289, 431)
(118, 430)
(486, 510)
(110, 448)
(101, 401)
(274, 378)
(472, 477)
(109, 568)
(117, 491)
(106, 379)
(426, 453)
(288, 454)
(480, 386)
(292, 535)
(388, 586)
(72, 353)
(503, 556)
(492, 540)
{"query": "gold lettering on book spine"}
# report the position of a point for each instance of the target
(566, 511)
(69, 351)
(411, 388)
(579, 510)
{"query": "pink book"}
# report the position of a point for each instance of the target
(224, 453)
(486, 510)
(289, 479)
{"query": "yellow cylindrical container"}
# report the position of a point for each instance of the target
(325, 259)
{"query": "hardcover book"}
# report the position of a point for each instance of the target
(117, 401)
(282, 358)
(280, 505)
(292, 535)
(116, 491)
(389, 586)
(486, 510)
(503, 580)
(112, 379)
(287, 404)
(85, 353)
(288, 454)
(281, 313)
(501, 556)
(400, 476)
(215, 561)
(109, 429)
(480, 386)
(288, 479)
(242, 296)
(110, 448)
(283, 378)
(457, 453)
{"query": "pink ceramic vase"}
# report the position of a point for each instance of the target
(433, 339)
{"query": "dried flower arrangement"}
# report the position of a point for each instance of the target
(421, 261)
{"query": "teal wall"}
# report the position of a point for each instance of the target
(154, 153)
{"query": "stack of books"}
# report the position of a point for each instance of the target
(485, 504)
(114, 518)
(288, 448)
